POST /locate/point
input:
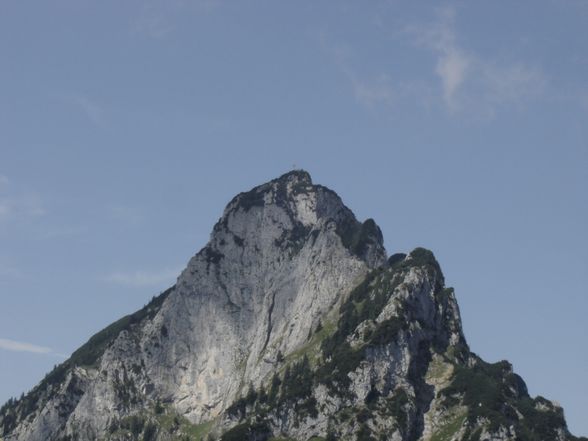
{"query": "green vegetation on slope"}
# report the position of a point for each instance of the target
(160, 420)
(86, 355)
(496, 395)
(308, 367)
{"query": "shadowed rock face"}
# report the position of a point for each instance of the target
(290, 322)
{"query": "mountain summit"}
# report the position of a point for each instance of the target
(290, 324)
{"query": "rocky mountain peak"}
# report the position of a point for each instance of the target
(286, 212)
(295, 193)
(290, 323)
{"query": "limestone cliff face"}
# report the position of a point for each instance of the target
(291, 322)
(275, 265)
(279, 259)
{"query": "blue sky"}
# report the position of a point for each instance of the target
(125, 127)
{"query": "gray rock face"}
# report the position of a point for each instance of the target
(290, 322)
(275, 264)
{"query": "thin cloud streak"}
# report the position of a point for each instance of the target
(143, 278)
(151, 25)
(369, 92)
(64, 231)
(18, 204)
(19, 346)
(159, 19)
(373, 92)
(85, 105)
(9, 271)
(91, 109)
(24, 206)
(513, 83)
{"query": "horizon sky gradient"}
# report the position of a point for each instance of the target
(462, 127)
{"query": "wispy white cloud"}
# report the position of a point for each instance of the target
(31, 205)
(451, 68)
(7, 270)
(5, 209)
(19, 346)
(90, 108)
(368, 91)
(3, 182)
(18, 204)
(157, 19)
(144, 278)
(63, 231)
(582, 96)
(452, 63)
(24, 206)
(469, 79)
(511, 83)
(372, 92)
(151, 24)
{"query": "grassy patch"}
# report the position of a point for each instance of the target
(311, 349)
(198, 432)
(168, 421)
(450, 428)
(439, 370)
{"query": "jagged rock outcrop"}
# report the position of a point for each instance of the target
(290, 323)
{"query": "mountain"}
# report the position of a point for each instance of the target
(290, 324)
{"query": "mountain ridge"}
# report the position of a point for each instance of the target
(291, 322)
